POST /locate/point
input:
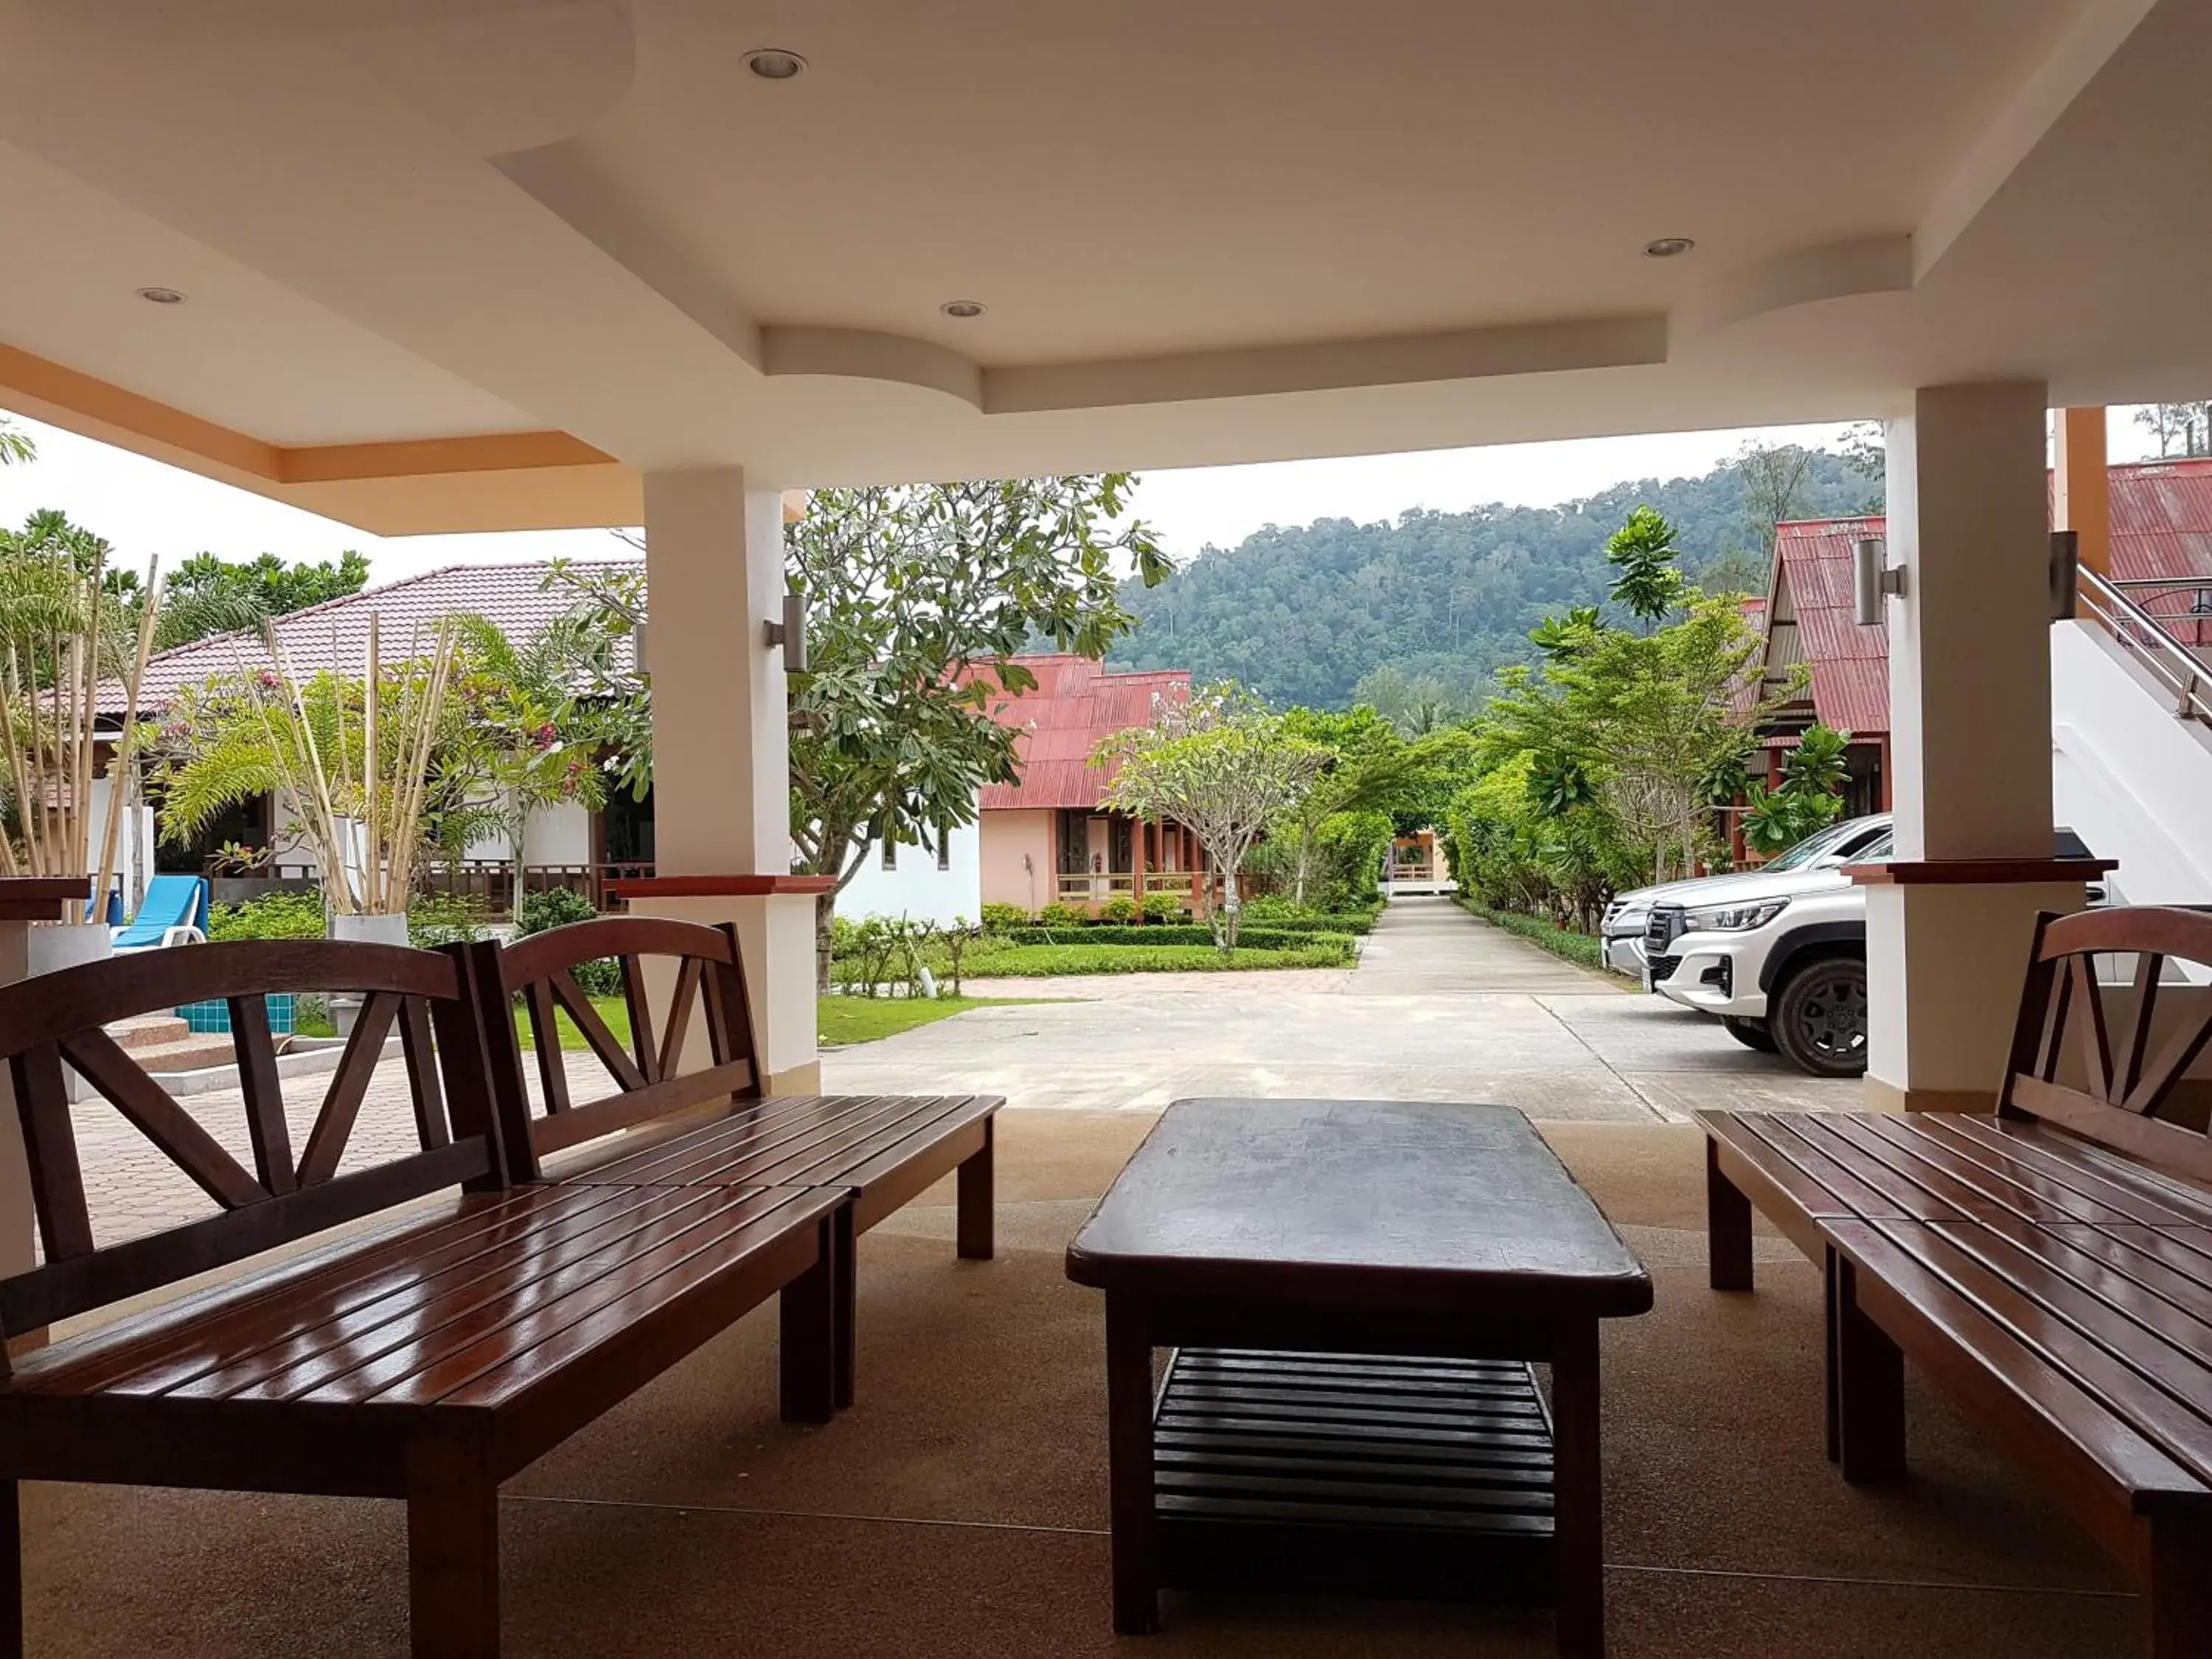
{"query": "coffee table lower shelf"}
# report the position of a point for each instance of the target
(1352, 1473)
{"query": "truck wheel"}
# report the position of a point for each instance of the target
(1818, 1017)
(1751, 1033)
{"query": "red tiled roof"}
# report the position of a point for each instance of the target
(2162, 526)
(1075, 706)
(335, 633)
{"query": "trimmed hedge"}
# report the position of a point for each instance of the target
(1581, 949)
(1254, 935)
(1083, 957)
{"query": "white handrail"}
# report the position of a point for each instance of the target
(2175, 665)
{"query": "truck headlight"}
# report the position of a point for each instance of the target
(1734, 918)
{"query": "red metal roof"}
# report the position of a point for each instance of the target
(335, 633)
(1075, 706)
(2162, 526)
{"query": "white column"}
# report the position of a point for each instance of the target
(721, 753)
(1969, 736)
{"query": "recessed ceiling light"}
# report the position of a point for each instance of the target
(963, 308)
(772, 64)
(1667, 248)
(161, 296)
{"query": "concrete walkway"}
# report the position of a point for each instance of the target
(1442, 1006)
(1428, 946)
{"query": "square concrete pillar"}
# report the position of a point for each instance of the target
(721, 746)
(1970, 719)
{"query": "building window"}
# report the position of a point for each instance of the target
(890, 852)
(944, 847)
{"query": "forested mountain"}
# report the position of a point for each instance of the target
(1438, 601)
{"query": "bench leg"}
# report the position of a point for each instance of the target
(2178, 1612)
(1728, 1227)
(1829, 1385)
(1869, 1390)
(452, 1550)
(1129, 1458)
(1578, 1490)
(844, 1315)
(976, 1201)
(11, 1571)
(807, 1310)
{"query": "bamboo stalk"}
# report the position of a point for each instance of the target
(15, 765)
(85, 687)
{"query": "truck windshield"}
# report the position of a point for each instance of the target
(1811, 850)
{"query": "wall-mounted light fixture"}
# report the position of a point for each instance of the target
(1871, 580)
(637, 656)
(790, 633)
(2065, 573)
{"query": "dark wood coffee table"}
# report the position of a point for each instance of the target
(1267, 1234)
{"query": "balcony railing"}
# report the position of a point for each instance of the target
(1096, 887)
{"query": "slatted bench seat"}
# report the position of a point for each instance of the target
(428, 1355)
(2049, 1265)
(712, 1127)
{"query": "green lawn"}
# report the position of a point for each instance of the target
(840, 1023)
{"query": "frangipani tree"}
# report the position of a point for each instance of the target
(1222, 766)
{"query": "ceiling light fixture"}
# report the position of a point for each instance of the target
(1667, 248)
(962, 308)
(161, 296)
(772, 64)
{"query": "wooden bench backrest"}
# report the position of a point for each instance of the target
(2131, 1078)
(709, 984)
(58, 1019)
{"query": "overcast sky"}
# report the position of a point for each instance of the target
(145, 507)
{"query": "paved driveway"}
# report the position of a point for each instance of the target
(1441, 1007)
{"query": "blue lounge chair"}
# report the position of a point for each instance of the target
(174, 912)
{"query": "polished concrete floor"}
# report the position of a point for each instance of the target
(959, 1508)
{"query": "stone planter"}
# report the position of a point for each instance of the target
(54, 945)
(368, 930)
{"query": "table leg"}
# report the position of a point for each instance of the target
(1728, 1227)
(1578, 1490)
(1129, 1430)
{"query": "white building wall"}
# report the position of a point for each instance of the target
(917, 889)
(134, 845)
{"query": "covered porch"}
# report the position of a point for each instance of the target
(514, 266)
(959, 1508)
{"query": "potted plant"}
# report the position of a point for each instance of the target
(66, 631)
(360, 763)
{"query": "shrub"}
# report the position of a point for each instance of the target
(1270, 907)
(999, 917)
(1084, 957)
(1166, 907)
(1581, 949)
(273, 916)
(1059, 915)
(1120, 911)
(556, 907)
(1260, 937)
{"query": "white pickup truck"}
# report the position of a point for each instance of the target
(1777, 955)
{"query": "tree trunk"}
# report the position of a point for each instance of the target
(518, 815)
(825, 912)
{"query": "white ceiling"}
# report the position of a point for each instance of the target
(1249, 229)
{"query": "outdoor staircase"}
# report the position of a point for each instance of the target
(165, 1043)
(2131, 739)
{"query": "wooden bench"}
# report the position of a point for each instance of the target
(876, 1152)
(427, 1359)
(2048, 1266)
